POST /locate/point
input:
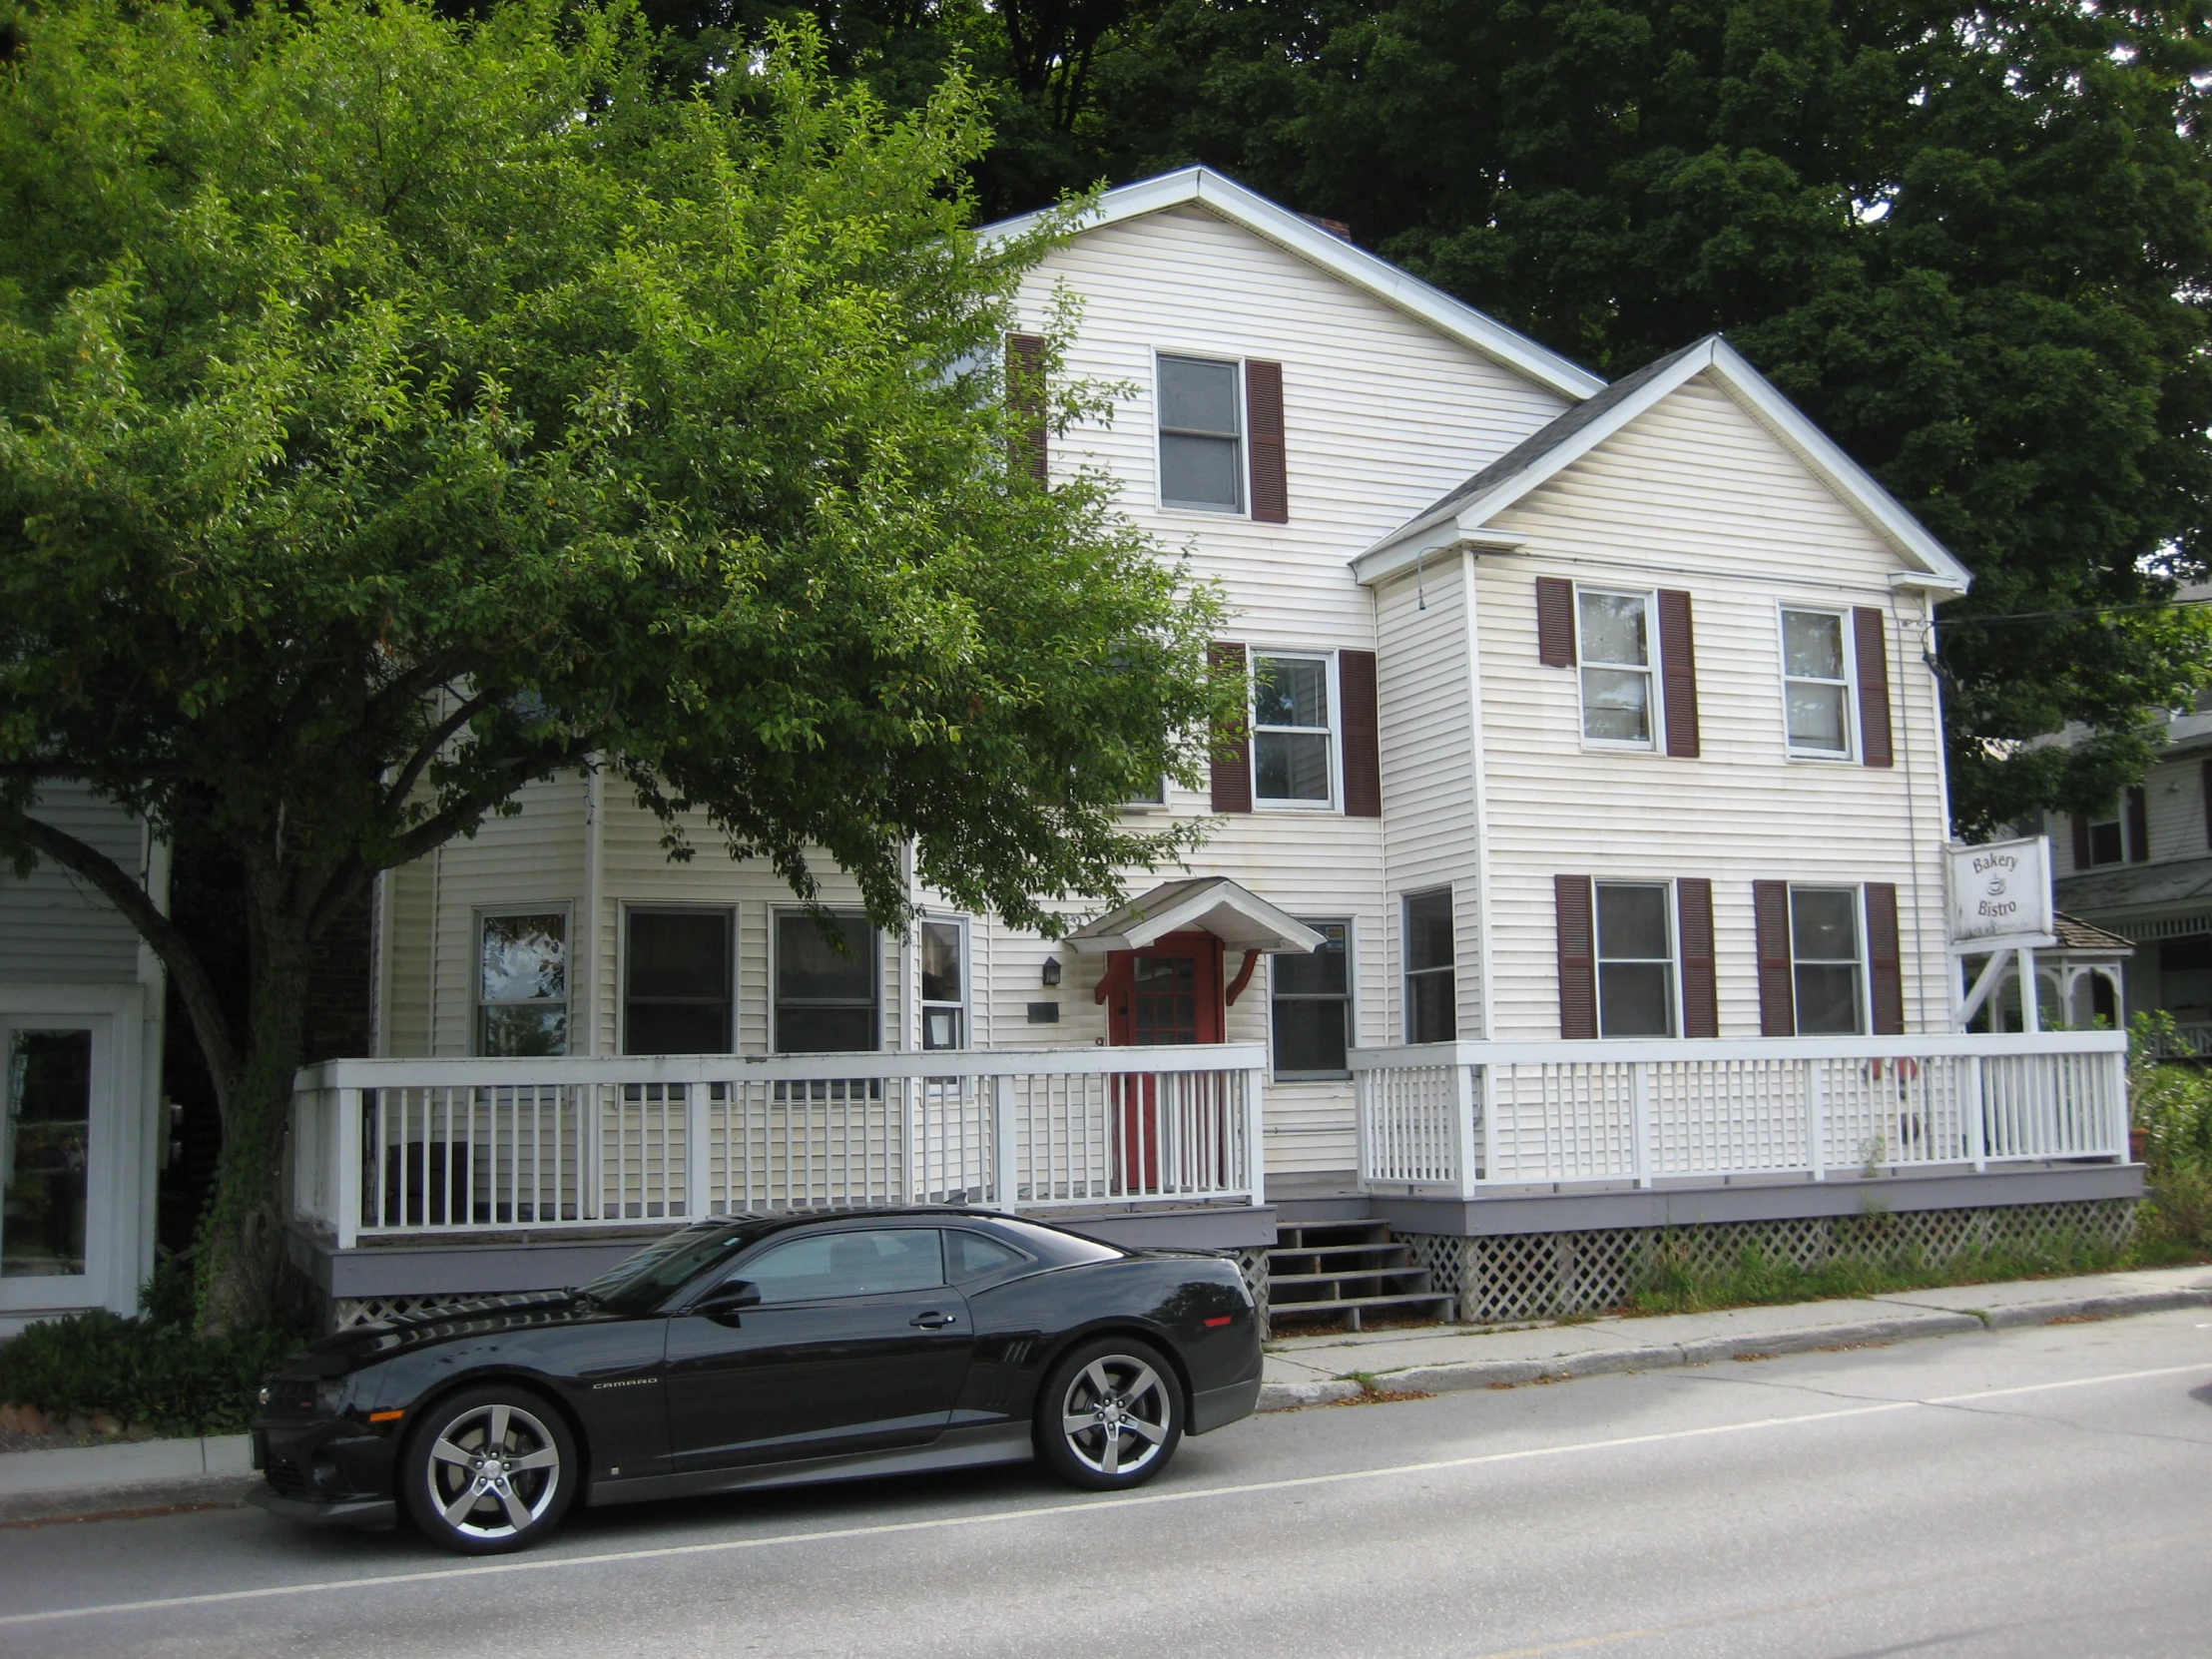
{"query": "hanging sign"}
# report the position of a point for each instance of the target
(2000, 894)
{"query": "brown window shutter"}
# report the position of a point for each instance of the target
(1271, 488)
(2083, 857)
(1874, 687)
(2205, 772)
(1693, 919)
(1555, 621)
(2139, 824)
(1025, 452)
(1578, 958)
(1884, 969)
(1363, 735)
(1678, 672)
(1770, 904)
(1232, 746)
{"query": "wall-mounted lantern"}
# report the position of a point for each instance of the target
(1052, 970)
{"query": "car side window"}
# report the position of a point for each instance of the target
(825, 1265)
(971, 1256)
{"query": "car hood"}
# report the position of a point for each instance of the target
(478, 1317)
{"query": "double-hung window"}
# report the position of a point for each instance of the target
(1311, 1013)
(1825, 961)
(1816, 683)
(1291, 733)
(1635, 960)
(945, 1013)
(676, 983)
(2107, 840)
(827, 996)
(1431, 955)
(1614, 632)
(522, 983)
(1201, 434)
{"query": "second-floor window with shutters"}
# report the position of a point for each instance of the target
(1201, 434)
(1816, 683)
(1432, 983)
(1825, 961)
(1635, 960)
(1614, 636)
(1291, 759)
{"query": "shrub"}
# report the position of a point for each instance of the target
(153, 1370)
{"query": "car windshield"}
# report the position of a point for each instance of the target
(640, 1284)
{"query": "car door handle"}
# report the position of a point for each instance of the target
(934, 1321)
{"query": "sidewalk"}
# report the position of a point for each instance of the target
(1323, 1369)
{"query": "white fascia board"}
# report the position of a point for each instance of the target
(1339, 257)
(1380, 564)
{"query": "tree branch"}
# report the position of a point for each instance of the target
(119, 888)
(427, 749)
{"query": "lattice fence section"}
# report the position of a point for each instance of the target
(1520, 1275)
(1253, 1264)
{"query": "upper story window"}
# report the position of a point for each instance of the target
(676, 983)
(1311, 1013)
(2107, 840)
(1825, 961)
(1431, 955)
(826, 998)
(1614, 634)
(1635, 960)
(1816, 683)
(1201, 434)
(944, 1015)
(1291, 750)
(522, 983)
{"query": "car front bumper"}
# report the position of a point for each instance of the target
(357, 1512)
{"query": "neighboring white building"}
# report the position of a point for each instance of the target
(81, 1003)
(1582, 714)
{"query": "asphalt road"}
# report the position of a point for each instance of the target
(2041, 1491)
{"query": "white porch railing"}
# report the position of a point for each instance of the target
(444, 1146)
(2185, 1041)
(1461, 1118)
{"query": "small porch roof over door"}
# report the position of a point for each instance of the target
(1233, 914)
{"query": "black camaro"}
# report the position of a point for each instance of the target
(764, 1351)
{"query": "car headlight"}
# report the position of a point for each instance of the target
(263, 1397)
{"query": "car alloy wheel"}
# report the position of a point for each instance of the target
(493, 1469)
(1115, 1414)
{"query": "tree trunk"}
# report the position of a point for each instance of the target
(242, 1237)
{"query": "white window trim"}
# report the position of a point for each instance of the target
(966, 1006)
(1864, 968)
(629, 907)
(1334, 730)
(1350, 925)
(775, 914)
(483, 914)
(1405, 968)
(1849, 754)
(1656, 744)
(2119, 820)
(1673, 960)
(1243, 509)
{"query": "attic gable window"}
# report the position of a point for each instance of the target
(1201, 435)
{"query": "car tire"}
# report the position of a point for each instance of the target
(1110, 1414)
(489, 1469)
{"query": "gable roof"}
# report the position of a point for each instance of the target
(1464, 513)
(1297, 234)
(1231, 911)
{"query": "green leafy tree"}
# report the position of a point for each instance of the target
(395, 409)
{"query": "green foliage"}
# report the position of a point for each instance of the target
(154, 1370)
(1674, 1282)
(2172, 1105)
(394, 410)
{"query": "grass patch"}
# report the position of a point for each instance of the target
(1672, 1283)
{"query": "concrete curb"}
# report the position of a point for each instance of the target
(1512, 1373)
(86, 1503)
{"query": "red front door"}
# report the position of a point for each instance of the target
(1167, 994)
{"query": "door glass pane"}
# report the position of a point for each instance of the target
(1165, 1000)
(847, 1264)
(44, 1153)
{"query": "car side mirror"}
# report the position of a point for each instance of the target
(728, 1297)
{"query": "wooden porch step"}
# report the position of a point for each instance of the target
(1342, 1274)
(1350, 1307)
(1339, 1249)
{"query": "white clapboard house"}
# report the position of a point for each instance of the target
(1583, 876)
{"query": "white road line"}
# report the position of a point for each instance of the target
(1096, 1506)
